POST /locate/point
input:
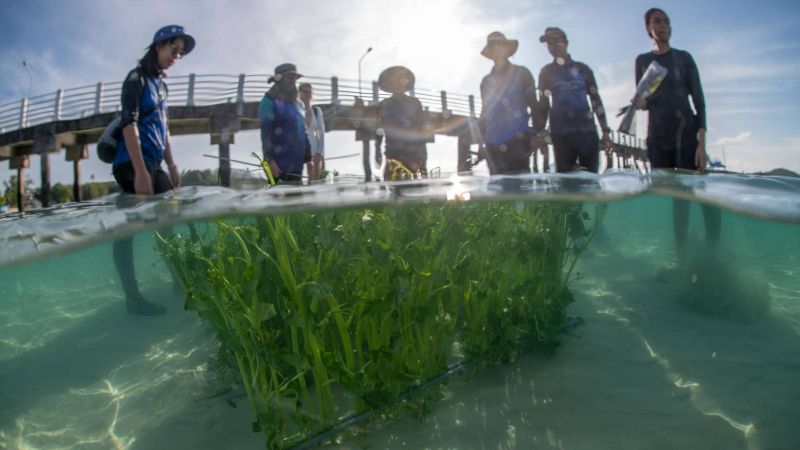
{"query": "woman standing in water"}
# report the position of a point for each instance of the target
(676, 135)
(145, 144)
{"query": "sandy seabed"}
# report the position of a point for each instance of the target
(643, 372)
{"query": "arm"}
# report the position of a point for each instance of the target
(173, 169)
(379, 136)
(638, 102)
(597, 106)
(321, 121)
(529, 92)
(132, 91)
(266, 117)
(696, 92)
(540, 119)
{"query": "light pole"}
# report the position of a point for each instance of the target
(359, 70)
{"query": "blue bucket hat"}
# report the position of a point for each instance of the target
(174, 31)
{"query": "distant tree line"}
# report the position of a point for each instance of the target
(62, 193)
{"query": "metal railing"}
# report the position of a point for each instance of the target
(206, 90)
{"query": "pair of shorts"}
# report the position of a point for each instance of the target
(579, 149)
(513, 157)
(124, 174)
(666, 153)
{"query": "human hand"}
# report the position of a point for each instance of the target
(640, 103)
(142, 184)
(275, 169)
(174, 175)
(606, 143)
(700, 157)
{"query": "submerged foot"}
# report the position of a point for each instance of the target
(668, 274)
(143, 307)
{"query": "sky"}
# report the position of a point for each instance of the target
(748, 54)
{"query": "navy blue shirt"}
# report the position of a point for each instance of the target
(402, 120)
(144, 103)
(283, 135)
(570, 86)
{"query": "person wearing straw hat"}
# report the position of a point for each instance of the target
(283, 129)
(509, 100)
(571, 86)
(401, 122)
(145, 144)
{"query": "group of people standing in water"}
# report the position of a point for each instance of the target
(513, 123)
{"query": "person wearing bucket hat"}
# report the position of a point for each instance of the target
(569, 84)
(509, 100)
(145, 144)
(284, 141)
(401, 123)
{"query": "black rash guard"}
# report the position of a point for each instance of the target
(671, 119)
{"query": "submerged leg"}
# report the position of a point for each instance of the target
(680, 223)
(134, 301)
(713, 220)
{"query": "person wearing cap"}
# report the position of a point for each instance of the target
(284, 141)
(509, 100)
(315, 129)
(569, 84)
(676, 134)
(145, 144)
(401, 123)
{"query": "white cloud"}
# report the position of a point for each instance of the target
(742, 137)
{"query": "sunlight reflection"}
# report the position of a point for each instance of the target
(457, 192)
(703, 404)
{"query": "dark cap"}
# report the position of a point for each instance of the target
(283, 70)
(174, 31)
(553, 33)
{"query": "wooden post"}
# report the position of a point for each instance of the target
(365, 160)
(76, 153)
(224, 139)
(464, 158)
(23, 113)
(57, 106)
(20, 189)
(190, 94)
(334, 91)
(240, 96)
(20, 163)
(44, 142)
(98, 99)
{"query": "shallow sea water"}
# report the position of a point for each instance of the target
(645, 370)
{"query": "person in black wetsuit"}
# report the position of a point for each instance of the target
(676, 134)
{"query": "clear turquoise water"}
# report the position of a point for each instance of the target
(645, 371)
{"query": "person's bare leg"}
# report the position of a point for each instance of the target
(680, 223)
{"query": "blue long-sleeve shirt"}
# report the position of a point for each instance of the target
(283, 135)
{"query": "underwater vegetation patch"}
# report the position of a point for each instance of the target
(332, 313)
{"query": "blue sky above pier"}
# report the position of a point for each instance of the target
(747, 53)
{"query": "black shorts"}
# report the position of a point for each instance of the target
(580, 148)
(124, 175)
(513, 157)
(669, 154)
